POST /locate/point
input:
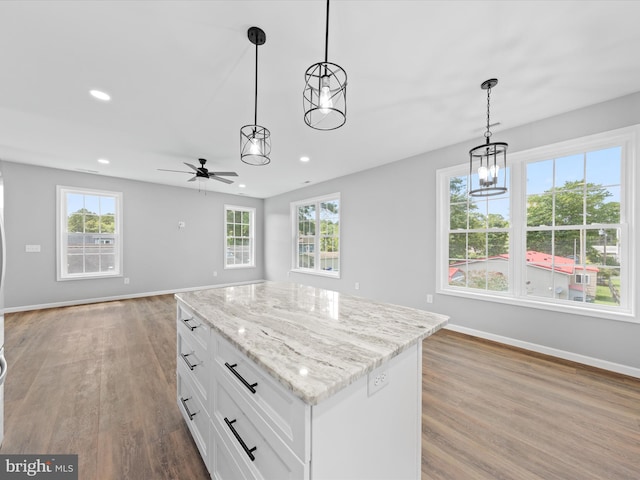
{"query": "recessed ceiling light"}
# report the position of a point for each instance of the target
(100, 95)
(304, 159)
(242, 185)
(104, 161)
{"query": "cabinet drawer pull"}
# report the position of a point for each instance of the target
(248, 451)
(189, 364)
(240, 377)
(184, 404)
(190, 327)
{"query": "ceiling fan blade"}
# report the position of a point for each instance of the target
(224, 174)
(192, 179)
(220, 179)
(177, 171)
(189, 165)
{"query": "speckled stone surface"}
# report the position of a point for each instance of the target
(313, 341)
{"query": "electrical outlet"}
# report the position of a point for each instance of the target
(126, 280)
(357, 286)
(429, 298)
(215, 273)
(378, 379)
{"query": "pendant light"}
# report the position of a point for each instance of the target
(325, 92)
(255, 141)
(490, 159)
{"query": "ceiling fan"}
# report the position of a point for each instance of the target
(202, 172)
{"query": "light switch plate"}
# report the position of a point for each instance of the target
(32, 248)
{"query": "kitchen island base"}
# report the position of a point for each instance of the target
(265, 402)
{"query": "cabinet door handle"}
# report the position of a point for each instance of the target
(250, 386)
(248, 451)
(189, 364)
(184, 404)
(190, 327)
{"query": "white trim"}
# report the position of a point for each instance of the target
(553, 352)
(293, 210)
(252, 237)
(627, 138)
(71, 303)
(321, 273)
(61, 239)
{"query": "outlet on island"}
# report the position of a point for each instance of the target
(377, 380)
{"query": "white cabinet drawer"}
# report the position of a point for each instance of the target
(278, 408)
(197, 328)
(194, 413)
(255, 451)
(192, 356)
(223, 462)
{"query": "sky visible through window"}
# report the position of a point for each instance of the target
(600, 167)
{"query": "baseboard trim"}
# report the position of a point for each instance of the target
(554, 352)
(71, 303)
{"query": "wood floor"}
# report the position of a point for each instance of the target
(99, 380)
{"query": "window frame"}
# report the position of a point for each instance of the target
(62, 273)
(252, 236)
(627, 138)
(316, 270)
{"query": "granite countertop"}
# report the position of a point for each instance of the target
(313, 341)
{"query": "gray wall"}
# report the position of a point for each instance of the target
(157, 256)
(386, 209)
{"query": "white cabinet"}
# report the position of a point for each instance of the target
(193, 377)
(247, 425)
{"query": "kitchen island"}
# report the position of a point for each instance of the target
(285, 381)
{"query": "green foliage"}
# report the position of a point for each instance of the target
(85, 221)
(463, 215)
(572, 207)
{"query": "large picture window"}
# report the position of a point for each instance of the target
(89, 233)
(316, 243)
(239, 237)
(558, 239)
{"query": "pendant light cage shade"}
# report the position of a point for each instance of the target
(255, 145)
(325, 96)
(488, 162)
(488, 169)
(255, 140)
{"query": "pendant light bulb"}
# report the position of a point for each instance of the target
(325, 102)
(493, 171)
(483, 174)
(254, 149)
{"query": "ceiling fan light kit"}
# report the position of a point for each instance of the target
(324, 98)
(255, 140)
(488, 160)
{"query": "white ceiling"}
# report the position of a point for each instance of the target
(181, 75)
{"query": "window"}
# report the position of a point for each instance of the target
(558, 239)
(89, 233)
(316, 243)
(580, 279)
(239, 237)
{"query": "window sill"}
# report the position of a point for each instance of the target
(238, 267)
(624, 316)
(90, 277)
(320, 273)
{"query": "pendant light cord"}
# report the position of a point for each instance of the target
(487, 134)
(326, 37)
(255, 110)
